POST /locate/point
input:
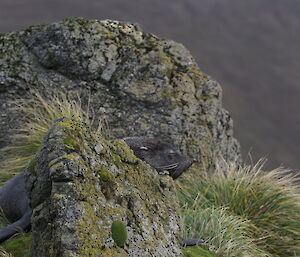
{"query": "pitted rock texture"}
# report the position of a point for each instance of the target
(142, 85)
(77, 190)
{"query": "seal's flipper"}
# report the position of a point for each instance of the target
(24, 224)
(191, 242)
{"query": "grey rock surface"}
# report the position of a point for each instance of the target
(76, 192)
(141, 84)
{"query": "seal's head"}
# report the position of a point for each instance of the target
(160, 155)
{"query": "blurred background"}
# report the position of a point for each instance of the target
(252, 48)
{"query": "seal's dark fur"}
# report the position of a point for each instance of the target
(15, 206)
(160, 155)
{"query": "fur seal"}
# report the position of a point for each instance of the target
(160, 155)
(15, 206)
(14, 201)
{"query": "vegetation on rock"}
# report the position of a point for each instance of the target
(119, 233)
(40, 114)
(17, 247)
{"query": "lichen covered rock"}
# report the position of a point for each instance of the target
(150, 84)
(93, 197)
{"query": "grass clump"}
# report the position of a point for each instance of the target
(254, 206)
(197, 251)
(225, 234)
(40, 113)
(18, 246)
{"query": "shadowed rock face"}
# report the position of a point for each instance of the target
(160, 155)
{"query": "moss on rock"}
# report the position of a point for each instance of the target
(31, 166)
(105, 175)
(70, 143)
(119, 233)
(89, 191)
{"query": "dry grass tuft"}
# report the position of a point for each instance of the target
(40, 113)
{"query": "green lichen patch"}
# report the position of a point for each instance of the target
(124, 152)
(18, 246)
(70, 157)
(88, 232)
(72, 127)
(117, 160)
(68, 124)
(70, 143)
(31, 166)
(119, 233)
(196, 75)
(75, 138)
(105, 175)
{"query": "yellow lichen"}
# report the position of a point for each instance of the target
(31, 166)
(105, 175)
(125, 153)
(70, 143)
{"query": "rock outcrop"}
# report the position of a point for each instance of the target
(80, 184)
(142, 86)
(150, 84)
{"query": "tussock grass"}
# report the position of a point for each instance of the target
(226, 235)
(269, 203)
(40, 114)
(3, 253)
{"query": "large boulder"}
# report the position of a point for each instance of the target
(80, 184)
(151, 85)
